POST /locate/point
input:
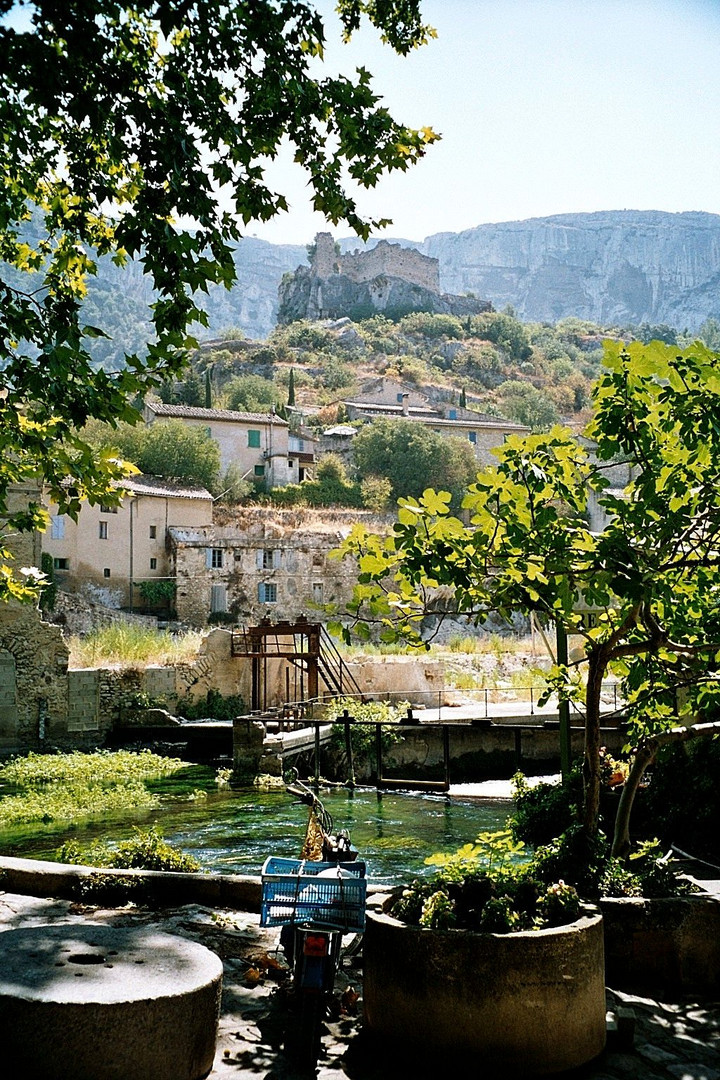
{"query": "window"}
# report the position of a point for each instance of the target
(259, 470)
(218, 598)
(153, 532)
(61, 564)
(399, 398)
(106, 572)
(472, 436)
(267, 592)
(108, 509)
(103, 533)
(254, 439)
(214, 558)
(291, 463)
(317, 592)
(452, 414)
(57, 527)
(153, 564)
(269, 559)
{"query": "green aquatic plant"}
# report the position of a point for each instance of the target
(52, 787)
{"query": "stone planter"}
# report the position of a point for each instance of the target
(531, 1003)
(670, 943)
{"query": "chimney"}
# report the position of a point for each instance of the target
(405, 406)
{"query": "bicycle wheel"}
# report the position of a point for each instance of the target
(303, 1039)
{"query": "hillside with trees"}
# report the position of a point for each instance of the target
(535, 374)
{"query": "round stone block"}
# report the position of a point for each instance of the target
(103, 1003)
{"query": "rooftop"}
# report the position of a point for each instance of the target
(143, 484)
(191, 412)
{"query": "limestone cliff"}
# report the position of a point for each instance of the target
(610, 267)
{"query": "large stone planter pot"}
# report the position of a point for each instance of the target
(669, 943)
(529, 1003)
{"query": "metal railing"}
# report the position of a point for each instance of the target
(493, 702)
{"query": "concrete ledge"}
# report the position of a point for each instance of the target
(33, 877)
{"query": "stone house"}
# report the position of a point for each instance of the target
(257, 443)
(266, 563)
(387, 399)
(110, 551)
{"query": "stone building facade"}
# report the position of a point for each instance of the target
(256, 443)
(387, 278)
(388, 399)
(274, 564)
(110, 551)
(392, 260)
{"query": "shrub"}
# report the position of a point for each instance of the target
(146, 850)
(213, 706)
(484, 886)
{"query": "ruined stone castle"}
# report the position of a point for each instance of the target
(387, 278)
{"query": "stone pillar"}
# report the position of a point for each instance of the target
(248, 739)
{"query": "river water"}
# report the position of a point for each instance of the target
(234, 831)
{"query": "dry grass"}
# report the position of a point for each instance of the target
(126, 644)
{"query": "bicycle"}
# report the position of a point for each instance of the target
(315, 901)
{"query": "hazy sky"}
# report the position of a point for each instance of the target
(545, 107)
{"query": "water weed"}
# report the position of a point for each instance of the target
(51, 787)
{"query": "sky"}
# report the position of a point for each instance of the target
(545, 107)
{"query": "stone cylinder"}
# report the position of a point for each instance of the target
(102, 1003)
(526, 1003)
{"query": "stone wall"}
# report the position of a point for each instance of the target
(265, 563)
(393, 261)
(45, 705)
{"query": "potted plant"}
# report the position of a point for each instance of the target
(486, 957)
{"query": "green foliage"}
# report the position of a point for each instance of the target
(430, 326)
(331, 488)
(158, 592)
(376, 492)
(504, 330)
(70, 787)
(525, 403)
(214, 706)
(413, 458)
(120, 121)
(586, 863)
(252, 393)
(651, 574)
(145, 850)
(485, 886)
(167, 448)
(362, 733)
(544, 811)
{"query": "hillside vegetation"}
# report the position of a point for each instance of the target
(532, 373)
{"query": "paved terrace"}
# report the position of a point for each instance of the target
(673, 1040)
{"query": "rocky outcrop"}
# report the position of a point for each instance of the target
(386, 278)
(612, 267)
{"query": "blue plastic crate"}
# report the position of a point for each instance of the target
(326, 894)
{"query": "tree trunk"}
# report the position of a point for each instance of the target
(597, 664)
(644, 755)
